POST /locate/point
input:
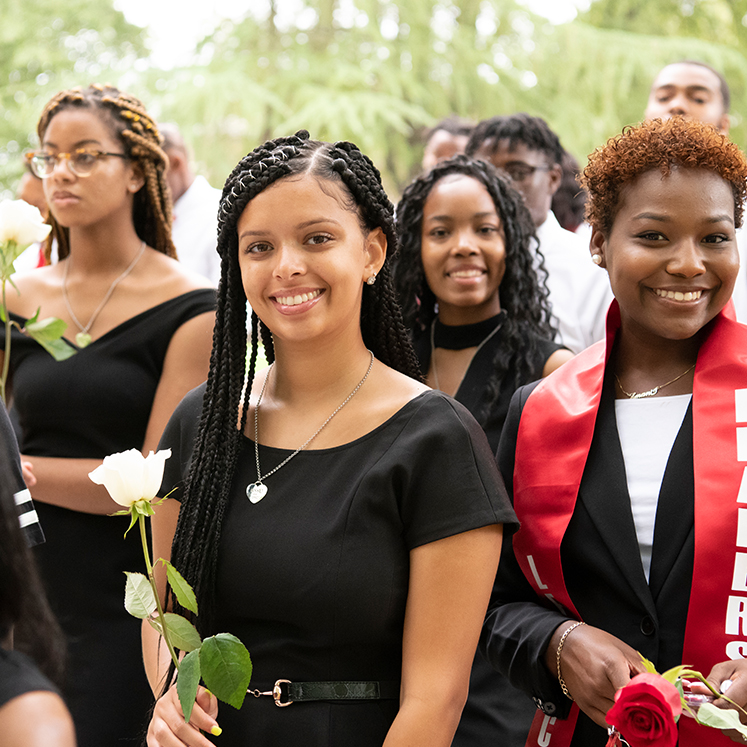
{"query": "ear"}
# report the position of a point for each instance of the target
(375, 250)
(724, 123)
(598, 246)
(137, 178)
(555, 175)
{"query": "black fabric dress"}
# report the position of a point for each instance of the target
(93, 404)
(495, 713)
(314, 577)
(19, 675)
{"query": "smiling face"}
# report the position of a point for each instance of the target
(692, 91)
(304, 259)
(671, 253)
(107, 192)
(463, 250)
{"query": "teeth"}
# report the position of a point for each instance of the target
(678, 295)
(466, 273)
(295, 300)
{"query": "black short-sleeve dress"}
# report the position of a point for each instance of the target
(96, 403)
(314, 577)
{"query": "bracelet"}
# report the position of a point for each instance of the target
(557, 657)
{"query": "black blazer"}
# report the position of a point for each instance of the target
(602, 566)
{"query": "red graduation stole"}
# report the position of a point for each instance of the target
(554, 437)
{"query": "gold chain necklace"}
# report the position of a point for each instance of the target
(651, 392)
(83, 338)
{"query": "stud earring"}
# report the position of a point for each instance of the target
(371, 280)
(596, 259)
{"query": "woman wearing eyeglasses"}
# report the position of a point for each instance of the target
(141, 328)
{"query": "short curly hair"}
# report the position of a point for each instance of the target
(664, 145)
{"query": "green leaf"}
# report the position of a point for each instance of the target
(50, 328)
(187, 682)
(48, 333)
(133, 521)
(139, 599)
(226, 668)
(182, 633)
(58, 349)
(720, 718)
(183, 591)
(649, 666)
(676, 673)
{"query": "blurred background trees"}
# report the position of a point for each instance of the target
(377, 72)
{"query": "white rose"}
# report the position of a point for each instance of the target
(131, 477)
(22, 223)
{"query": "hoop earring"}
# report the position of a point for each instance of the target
(371, 280)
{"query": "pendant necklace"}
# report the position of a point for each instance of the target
(651, 392)
(433, 348)
(256, 491)
(83, 338)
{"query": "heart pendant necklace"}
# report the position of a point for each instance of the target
(256, 491)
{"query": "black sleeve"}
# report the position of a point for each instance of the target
(448, 475)
(27, 516)
(518, 627)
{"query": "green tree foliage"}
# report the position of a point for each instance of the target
(47, 45)
(374, 72)
(611, 54)
(377, 72)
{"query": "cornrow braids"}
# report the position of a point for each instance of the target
(141, 141)
(229, 383)
(523, 290)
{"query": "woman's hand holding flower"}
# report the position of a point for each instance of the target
(594, 665)
(167, 727)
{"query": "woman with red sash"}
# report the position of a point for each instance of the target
(628, 465)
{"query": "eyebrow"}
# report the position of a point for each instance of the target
(692, 88)
(474, 215)
(299, 227)
(76, 146)
(665, 219)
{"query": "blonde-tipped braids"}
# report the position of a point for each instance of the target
(141, 140)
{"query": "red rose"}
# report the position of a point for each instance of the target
(646, 711)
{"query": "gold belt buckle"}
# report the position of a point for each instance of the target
(276, 693)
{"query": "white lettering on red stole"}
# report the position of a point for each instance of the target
(736, 606)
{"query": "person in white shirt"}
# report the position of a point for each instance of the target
(195, 227)
(529, 152)
(694, 90)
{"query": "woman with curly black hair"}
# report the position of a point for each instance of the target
(481, 325)
(337, 515)
(469, 291)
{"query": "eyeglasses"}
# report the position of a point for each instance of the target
(80, 162)
(519, 172)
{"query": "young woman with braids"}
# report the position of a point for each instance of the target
(338, 516)
(141, 327)
(481, 328)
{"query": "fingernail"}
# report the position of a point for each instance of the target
(216, 731)
(725, 685)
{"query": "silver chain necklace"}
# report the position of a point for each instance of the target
(256, 491)
(83, 338)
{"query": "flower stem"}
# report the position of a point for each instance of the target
(6, 359)
(152, 579)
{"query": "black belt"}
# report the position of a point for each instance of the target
(285, 692)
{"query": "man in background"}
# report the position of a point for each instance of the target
(530, 153)
(195, 228)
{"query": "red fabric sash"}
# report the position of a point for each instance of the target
(547, 476)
